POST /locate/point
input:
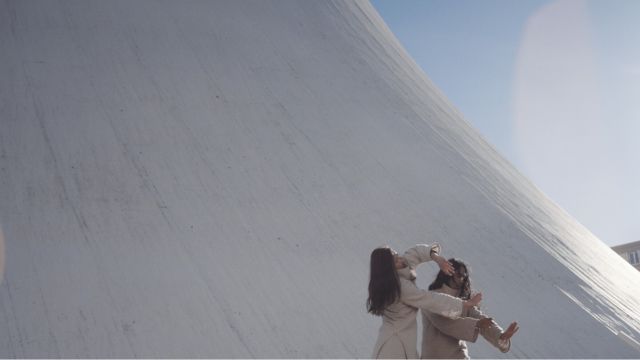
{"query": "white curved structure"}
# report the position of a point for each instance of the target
(208, 179)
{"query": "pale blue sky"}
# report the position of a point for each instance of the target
(554, 85)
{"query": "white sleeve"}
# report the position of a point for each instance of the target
(504, 345)
(441, 304)
(492, 333)
(420, 253)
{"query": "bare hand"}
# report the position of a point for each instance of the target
(512, 329)
(484, 323)
(475, 300)
(444, 265)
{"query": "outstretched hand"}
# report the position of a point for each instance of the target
(444, 265)
(475, 300)
(511, 330)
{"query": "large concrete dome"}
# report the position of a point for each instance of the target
(208, 179)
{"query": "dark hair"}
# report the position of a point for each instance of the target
(442, 278)
(384, 284)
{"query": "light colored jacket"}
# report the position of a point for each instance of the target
(444, 338)
(397, 337)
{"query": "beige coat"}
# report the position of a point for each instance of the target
(444, 338)
(397, 337)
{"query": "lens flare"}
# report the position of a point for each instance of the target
(561, 134)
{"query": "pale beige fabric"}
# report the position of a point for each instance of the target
(397, 338)
(444, 338)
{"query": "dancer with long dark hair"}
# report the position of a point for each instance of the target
(444, 338)
(394, 296)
